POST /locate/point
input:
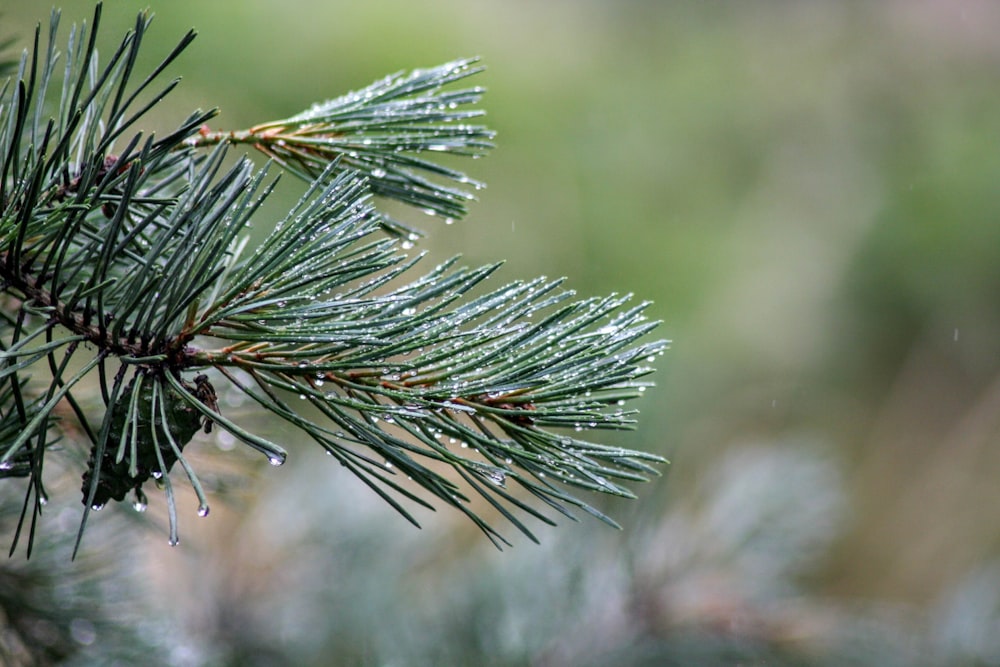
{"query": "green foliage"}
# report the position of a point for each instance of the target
(381, 131)
(98, 610)
(124, 255)
(155, 440)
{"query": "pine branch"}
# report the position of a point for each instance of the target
(126, 255)
(381, 131)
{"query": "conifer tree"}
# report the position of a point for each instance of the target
(124, 257)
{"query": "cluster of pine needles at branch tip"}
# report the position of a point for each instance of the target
(124, 257)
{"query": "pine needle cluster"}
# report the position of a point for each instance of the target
(124, 257)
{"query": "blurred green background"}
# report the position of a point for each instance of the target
(810, 193)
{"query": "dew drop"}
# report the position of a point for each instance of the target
(97, 507)
(174, 541)
(139, 505)
(203, 510)
(276, 460)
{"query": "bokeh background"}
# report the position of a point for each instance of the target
(810, 193)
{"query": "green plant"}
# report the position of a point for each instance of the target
(124, 255)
